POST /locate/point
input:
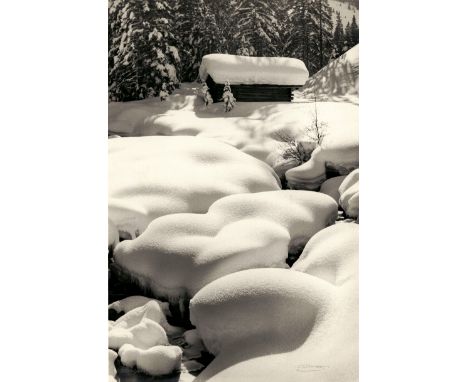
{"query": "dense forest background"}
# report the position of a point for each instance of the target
(156, 44)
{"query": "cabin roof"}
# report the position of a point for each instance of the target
(244, 70)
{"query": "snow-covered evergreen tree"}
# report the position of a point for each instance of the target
(311, 39)
(197, 33)
(141, 50)
(354, 32)
(228, 97)
(323, 43)
(222, 11)
(339, 37)
(206, 94)
(257, 29)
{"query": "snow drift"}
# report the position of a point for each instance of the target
(155, 176)
(331, 254)
(280, 325)
(178, 254)
(338, 81)
(253, 70)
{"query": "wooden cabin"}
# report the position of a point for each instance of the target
(253, 79)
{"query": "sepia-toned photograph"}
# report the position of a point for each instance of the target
(233, 190)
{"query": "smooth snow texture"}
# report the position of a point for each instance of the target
(330, 187)
(279, 325)
(143, 327)
(253, 127)
(338, 81)
(157, 360)
(253, 70)
(349, 194)
(129, 303)
(178, 254)
(154, 176)
(331, 253)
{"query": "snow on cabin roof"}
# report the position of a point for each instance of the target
(253, 70)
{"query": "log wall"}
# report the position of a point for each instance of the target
(252, 93)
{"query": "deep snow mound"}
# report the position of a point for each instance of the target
(338, 81)
(154, 176)
(332, 254)
(178, 254)
(278, 325)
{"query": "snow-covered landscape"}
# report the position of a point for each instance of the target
(233, 224)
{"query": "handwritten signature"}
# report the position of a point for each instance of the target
(307, 368)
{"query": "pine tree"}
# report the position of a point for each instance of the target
(323, 36)
(339, 37)
(197, 35)
(311, 37)
(257, 27)
(141, 50)
(354, 32)
(348, 38)
(222, 11)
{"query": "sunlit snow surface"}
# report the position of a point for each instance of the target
(155, 176)
(286, 325)
(180, 253)
(256, 128)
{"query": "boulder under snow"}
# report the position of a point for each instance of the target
(178, 254)
(155, 176)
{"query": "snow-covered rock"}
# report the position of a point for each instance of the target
(146, 333)
(331, 253)
(339, 150)
(338, 81)
(279, 325)
(157, 360)
(330, 187)
(349, 194)
(112, 369)
(129, 303)
(154, 176)
(143, 327)
(253, 70)
(180, 253)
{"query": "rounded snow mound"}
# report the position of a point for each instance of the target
(154, 176)
(278, 325)
(157, 360)
(178, 254)
(332, 254)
